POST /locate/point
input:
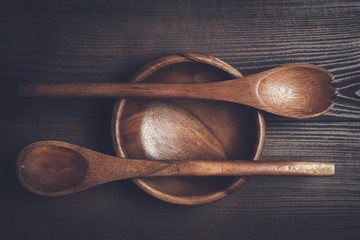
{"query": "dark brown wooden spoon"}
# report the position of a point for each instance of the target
(57, 168)
(296, 90)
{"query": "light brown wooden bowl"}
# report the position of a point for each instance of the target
(187, 129)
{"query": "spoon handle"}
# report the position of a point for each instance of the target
(115, 90)
(244, 168)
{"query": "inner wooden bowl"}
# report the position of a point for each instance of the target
(187, 129)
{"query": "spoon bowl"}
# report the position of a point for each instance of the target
(46, 168)
(303, 91)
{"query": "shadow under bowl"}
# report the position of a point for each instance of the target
(179, 129)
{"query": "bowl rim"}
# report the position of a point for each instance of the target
(146, 71)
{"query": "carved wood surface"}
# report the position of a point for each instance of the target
(108, 41)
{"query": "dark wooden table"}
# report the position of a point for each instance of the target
(105, 41)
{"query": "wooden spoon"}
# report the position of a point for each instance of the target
(296, 90)
(57, 168)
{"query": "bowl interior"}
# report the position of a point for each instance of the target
(186, 129)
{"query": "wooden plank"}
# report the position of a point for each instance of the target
(108, 41)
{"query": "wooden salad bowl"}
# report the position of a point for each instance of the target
(176, 129)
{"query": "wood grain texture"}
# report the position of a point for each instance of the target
(107, 41)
